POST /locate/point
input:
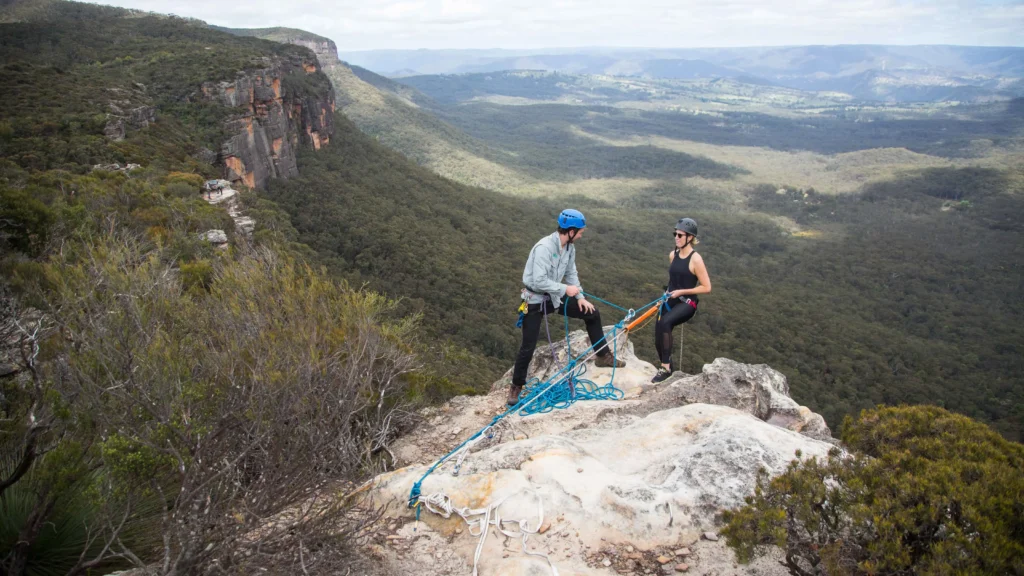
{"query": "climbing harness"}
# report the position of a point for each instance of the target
(666, 307)
(562, 389)
(524, 309)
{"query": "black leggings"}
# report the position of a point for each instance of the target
(681, 312)
(531, 331)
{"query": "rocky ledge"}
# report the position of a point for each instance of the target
(603, 487)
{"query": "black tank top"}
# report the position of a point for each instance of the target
(679, 275)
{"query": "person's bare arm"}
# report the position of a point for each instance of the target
(701, 272)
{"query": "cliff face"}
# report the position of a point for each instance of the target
(288, 104)
(326, 50)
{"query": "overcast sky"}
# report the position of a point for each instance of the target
(407, 24)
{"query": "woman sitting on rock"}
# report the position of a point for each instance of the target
(687, 277)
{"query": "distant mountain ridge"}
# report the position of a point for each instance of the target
(870, 72)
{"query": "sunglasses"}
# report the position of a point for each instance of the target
(678, 235)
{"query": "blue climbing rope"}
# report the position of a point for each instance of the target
(561, 390)
(567, 390)
(617, 307)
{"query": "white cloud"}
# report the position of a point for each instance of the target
(406, 24)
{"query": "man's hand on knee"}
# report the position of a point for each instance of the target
(585, 306)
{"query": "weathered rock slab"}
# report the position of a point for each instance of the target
(215, 237)
(755, 388)
(656, 483)
(613, 486)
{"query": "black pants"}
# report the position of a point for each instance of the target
(681, 312)
(531, 331)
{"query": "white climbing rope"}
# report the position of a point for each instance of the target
(480, 520)
(486, 434)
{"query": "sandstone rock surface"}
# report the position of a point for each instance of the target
(229, 198)
(326, 51)
(274, 119)
(603, 487)
(215, 237)
(757, 389)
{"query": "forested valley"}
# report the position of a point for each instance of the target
(163, 397)
(900, 292)
(897, 301)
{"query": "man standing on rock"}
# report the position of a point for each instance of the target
(550, 275)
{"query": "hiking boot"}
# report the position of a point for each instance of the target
(661, 376)
(513, 394)
(608, 361)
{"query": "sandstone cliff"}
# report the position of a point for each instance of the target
(326, 50)
(287, 104)
(634, 486)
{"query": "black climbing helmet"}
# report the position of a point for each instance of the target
(687, 225)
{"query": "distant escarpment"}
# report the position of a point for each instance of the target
(288, 104)
(325, 49)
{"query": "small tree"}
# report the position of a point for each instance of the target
(924, 491)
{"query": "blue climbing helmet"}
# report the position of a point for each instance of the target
(570, 218)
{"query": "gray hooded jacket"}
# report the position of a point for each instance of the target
(547, 267)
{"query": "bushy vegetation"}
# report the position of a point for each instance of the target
(923, 491)
(165, 403)
(163, 421)
(267, 387)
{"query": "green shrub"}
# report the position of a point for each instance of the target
(181, 190)
(924, 491)
(196, 276)
(24, 220)
(241, 402)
